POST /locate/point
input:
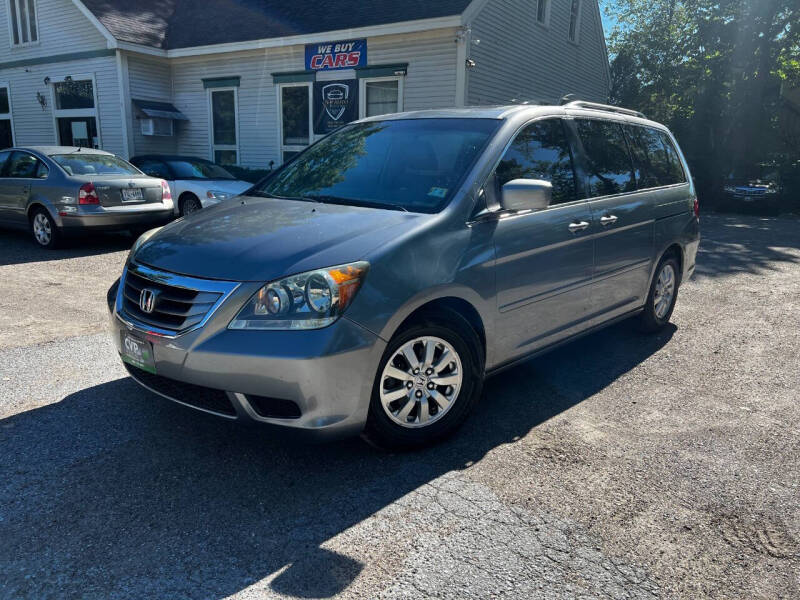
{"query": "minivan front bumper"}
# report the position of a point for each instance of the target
(315, 381)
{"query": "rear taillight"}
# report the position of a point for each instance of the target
(88, 195)
(696, 207)
(165, 193)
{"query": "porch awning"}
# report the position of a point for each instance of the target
(160, 110)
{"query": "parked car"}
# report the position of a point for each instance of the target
(759, 195)
(54, 190)
(195, 183)
(377, 278)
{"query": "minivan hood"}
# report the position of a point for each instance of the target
(262, 239)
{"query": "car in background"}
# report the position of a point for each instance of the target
(195, 183)
(56, 190)
(762, 194)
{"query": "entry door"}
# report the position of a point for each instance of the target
(543, 259)
(294, 101)
(625, 220)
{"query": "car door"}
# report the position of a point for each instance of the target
(20, 170)
(5, 190)
(624, 239)
(544, 258)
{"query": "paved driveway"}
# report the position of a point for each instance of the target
(619, 466)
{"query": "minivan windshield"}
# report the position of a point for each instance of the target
(78, 163)
(406, 164)
(197, 169)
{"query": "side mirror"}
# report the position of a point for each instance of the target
(527, 194)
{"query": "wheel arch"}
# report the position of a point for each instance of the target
(464, 303)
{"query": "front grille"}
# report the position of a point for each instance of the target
(274, 407)
(209, 399)
(175, 308)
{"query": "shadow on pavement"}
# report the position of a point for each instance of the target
(745, 244)
(116, 492)
(17, 247)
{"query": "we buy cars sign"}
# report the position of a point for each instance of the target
(336, 55)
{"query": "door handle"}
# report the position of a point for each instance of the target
(608, 220)
(575, 227)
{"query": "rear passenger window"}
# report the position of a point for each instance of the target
(610, 170)
(675, 172)
(654, 157)
(22, 165)
(541, 151)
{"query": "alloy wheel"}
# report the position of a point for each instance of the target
(665, 291)
(420, 382)
(41, 229)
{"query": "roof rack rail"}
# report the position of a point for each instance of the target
(606, 107)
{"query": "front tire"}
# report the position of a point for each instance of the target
(428, 381)
(44, 230)
(190, 204)
(662, 296)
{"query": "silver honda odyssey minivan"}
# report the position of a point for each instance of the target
(371, 283)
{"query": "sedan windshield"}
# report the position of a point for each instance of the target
(408, 164)
(198, 169)
(77, 163)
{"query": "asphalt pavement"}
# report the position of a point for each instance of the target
(619, 466)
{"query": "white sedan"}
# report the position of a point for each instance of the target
(195, 183)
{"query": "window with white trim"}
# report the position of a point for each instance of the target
(294, 109)
(380, 96)
(75, 111)
(22, 22)
(543, 12)
(6, 122)
(575, 21)
(224, 111)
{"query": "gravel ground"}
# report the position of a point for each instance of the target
(619, 466)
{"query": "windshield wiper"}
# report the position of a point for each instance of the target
(351, 202)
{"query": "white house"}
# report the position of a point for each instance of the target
(253, 81)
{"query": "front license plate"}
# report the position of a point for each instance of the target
(132, 195)
(138, 352)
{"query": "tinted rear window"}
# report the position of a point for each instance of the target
(541, 151)
(94, 164)
(610, 170)
(655, 159)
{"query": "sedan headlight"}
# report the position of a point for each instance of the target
(218, 196)
(311, 300)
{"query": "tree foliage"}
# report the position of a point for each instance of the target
(717, 73)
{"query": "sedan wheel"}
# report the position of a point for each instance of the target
(44, 230)
(190, 205)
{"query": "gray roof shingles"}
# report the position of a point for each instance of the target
(169, 24)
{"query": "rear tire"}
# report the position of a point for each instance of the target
(189, 203)
(44, 230)
(402, 417)
(662, 296)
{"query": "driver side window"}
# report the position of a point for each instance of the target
(154, 168)
(540, 151)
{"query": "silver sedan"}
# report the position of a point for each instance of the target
(56, 190)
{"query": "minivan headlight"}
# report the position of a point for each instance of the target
(310, 300)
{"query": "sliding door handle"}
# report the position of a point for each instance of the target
(608, 220)
(577, 226)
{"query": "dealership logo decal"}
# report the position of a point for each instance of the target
(147, 300)
(335, 97)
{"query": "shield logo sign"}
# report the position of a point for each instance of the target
(335, 97)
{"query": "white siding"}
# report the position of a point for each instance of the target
(150, 78)
(430, 83)
(33, 125)
(63, 29)
(517, 59)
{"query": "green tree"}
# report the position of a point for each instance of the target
(714, 72)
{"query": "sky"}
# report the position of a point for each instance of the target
(608, 22)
